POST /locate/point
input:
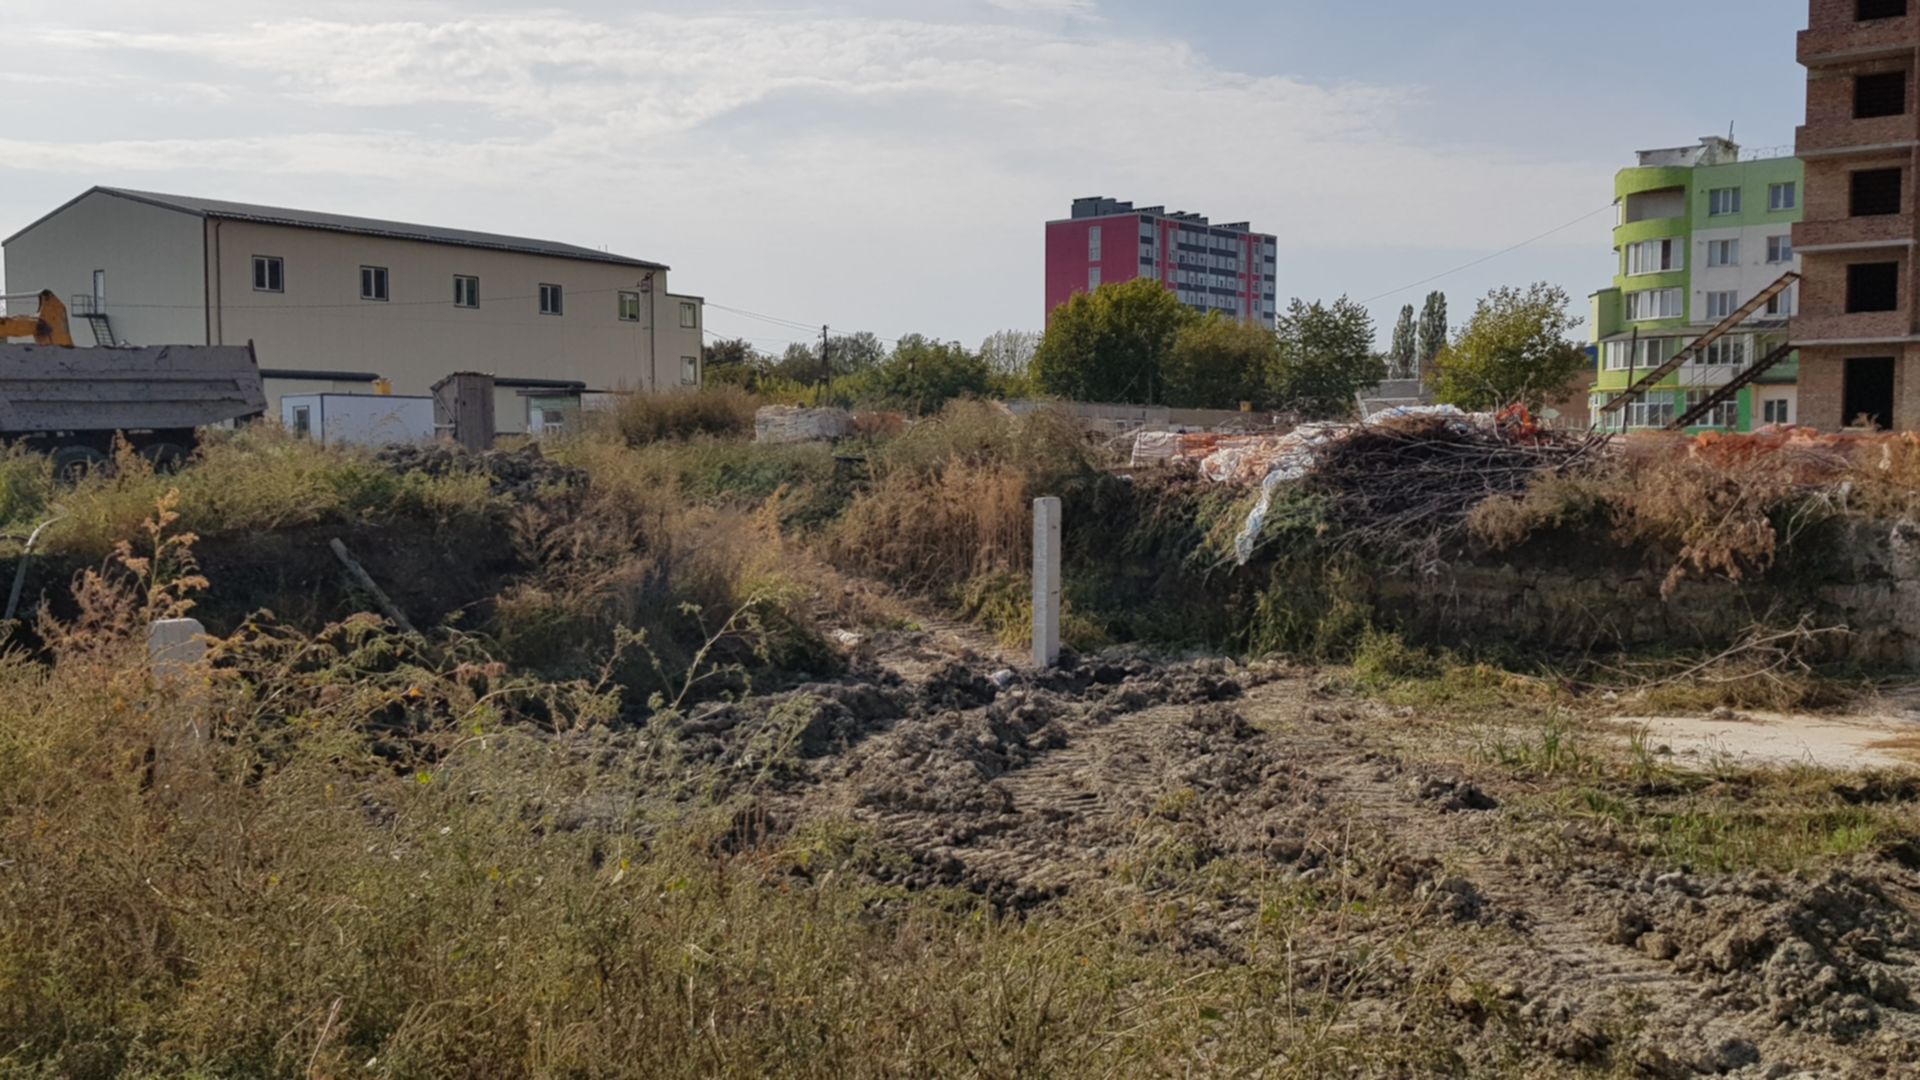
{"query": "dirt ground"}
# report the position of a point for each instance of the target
(1409, 867)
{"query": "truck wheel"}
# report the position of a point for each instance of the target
(165, 457)
(72, 464)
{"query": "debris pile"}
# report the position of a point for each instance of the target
(1406, 481)
(782, 424)
(521, 474)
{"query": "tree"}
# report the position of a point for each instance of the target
(858, 351)
(1404, 357)
(731, 360)
(1112, 345)
(1433, 331)
(1010, 352)
(924, 374)
(801, 363)
(1324, 359)
(1515, 350)
(1218, 362)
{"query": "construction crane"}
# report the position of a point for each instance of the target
(46, 327)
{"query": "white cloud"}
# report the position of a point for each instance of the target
(884, 171)
(1046, 7)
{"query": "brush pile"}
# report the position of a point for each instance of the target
(1403, 487)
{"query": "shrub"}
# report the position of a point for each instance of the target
(723, 411)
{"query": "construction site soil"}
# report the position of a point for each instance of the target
(1410, 874)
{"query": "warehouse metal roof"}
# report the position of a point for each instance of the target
(393, 230)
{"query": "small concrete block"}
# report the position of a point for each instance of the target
(1046, 582)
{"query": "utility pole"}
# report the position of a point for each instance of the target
(826, 364)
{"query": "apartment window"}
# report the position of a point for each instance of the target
(629, 307)
(1655, 257)
(1720, 305)
(1882, 94)
(1781, 305)
(1776, 411)
(1726, 352)
(1782, 196)
(1093, 279)
(1723, 253)
(1876, 192)
(1726, 414)
(549, 299)
(1780, 249)
(1654, 304)
(373, 283)
(1654, 410)
(689, 316)
(1093, 244)
(269, 274)
(1873, 287)
(466, 291)
(690, 370)
(1868, 10)
(1723, 201)
(1638, 356)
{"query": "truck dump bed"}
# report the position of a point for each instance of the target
(46, 389)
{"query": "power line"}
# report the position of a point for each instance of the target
(1490, 258)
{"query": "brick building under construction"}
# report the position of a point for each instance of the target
(1858, 319)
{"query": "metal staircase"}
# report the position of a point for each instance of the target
(1726, 393)
(1725, 327)
(96, 320)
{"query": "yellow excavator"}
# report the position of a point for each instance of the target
(48, 327)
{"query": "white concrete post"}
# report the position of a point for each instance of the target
(175, 650)
(1046, 582)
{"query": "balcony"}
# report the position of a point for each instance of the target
(1858, 136)
(1854, 232)
(1844, 40)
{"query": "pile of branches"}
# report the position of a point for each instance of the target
(1404, 489)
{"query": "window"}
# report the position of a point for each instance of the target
(269, 274)
(1723, 201)
(1876, 192)
(373, 283)
(549, 299)
(1726, 352)
(1093, 244)
(1655, 256)
(1723, 253)
(1654, 410)
(303, 420)
(466, 291)
(1884, 94)
(1776, 411)
(690, 370)
(689, 316)
(1093, 279)
(1868, 10)
(1782, 305)
(629, 307)
(1780, 249)
(1654, 304)
(1649, 353)
(1873, 287)
(1721, 305)
(1783, 197)
(1725, 414)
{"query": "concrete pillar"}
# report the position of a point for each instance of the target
(176, 649)
(1046, 582)
(174, 646)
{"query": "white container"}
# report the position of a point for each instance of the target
(358, 419)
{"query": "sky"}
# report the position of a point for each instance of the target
(889, 165)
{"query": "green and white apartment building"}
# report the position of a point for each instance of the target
(1700, 233)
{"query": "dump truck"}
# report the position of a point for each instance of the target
(73, 403)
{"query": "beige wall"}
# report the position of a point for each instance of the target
(418, 336)
(678, 341)
(152, 258)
